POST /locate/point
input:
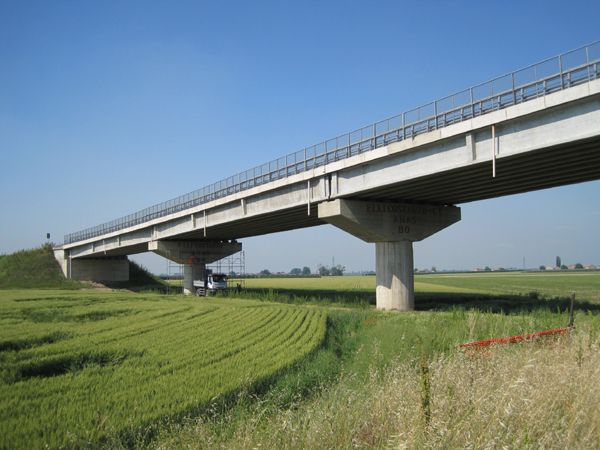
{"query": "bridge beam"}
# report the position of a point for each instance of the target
(194, 255)
(393, 227)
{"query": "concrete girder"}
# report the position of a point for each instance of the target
(393, 227)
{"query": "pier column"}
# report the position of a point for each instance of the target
(393, 227)
(395, 275)
(194, 255)
(191, 272)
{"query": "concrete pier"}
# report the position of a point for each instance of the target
(194, 255)
(191, 272)
(393, 227)
(395, 275)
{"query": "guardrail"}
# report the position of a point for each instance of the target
(551, 75)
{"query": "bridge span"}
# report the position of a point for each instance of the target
(390, 183)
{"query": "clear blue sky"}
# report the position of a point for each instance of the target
(107, 107)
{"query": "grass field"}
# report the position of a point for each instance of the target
(407, 384)
(585, 284)
(80, 368)
(498, 291)
(89, 368)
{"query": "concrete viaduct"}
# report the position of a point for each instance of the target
(390, 183)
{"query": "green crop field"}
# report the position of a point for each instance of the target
(405, 382)
(586, 285)
(90, 368)
(78, 368)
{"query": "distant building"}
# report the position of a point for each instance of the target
(558, 262)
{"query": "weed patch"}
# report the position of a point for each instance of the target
(60, 314)
(21, 344)
(70, 364)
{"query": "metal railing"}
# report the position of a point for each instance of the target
(551, 75)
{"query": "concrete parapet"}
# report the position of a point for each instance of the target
(393, 227)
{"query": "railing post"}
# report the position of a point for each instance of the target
(587, 62)
(512, 76)
(560, 69)
(403, 125)
(374, 136)
(348, 151)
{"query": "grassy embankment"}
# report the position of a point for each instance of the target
(35, 268)
(38, 269)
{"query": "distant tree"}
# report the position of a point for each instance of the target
(487, 269)
(324, 271)
(542, 267)
(337, 270)
(306, 270)
(433, 269)
(416, 270)
(579, 266)
(563, 267)
(296, 271)
(265, 272)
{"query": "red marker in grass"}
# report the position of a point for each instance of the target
(523, 337)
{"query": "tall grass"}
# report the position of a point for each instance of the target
(540, 394)
(387, 367)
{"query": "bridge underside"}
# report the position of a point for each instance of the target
(560, 165)
(550, 167)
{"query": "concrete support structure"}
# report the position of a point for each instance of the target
(112, 268)
(194, 255)
(108, 268)
(393, 227)
(191, 272)
(395, 275)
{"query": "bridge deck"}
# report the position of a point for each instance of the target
(542, 81)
